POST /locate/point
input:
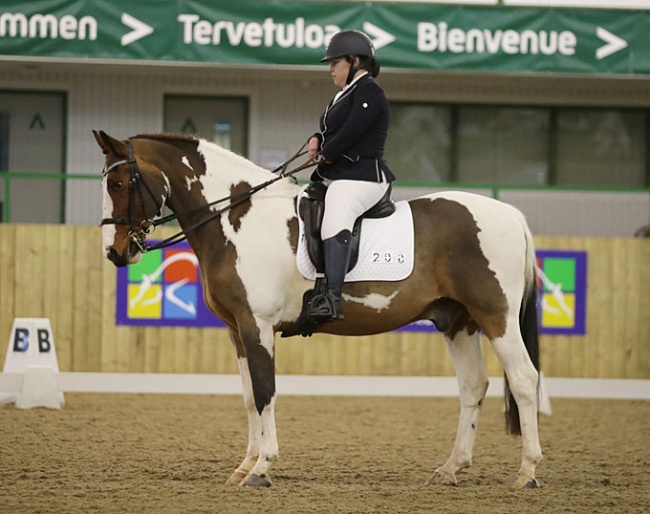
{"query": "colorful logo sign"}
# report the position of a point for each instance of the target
(562, 285)
(164, 289)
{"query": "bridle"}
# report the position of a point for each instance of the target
(138, 231)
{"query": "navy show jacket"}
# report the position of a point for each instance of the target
(353, 134)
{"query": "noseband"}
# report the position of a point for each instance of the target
(138, 231)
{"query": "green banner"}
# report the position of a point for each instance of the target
(410, 36)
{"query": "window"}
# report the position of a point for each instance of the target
(32, 128)
(601, 147)
(523, 146)
(418, 148)
(503, 145)
(223, 120)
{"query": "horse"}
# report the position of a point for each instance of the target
(473, 271)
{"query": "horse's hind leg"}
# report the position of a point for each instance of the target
(465, 351)
(523, 379)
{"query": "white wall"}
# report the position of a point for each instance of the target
(284, 104)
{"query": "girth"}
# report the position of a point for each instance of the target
(311, 209)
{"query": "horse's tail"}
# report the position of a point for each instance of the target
(529, 329)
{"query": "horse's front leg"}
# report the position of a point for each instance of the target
(257, 369)
(465, 352)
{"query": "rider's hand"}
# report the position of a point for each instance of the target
(314, 147)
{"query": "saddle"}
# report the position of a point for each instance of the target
(311, 208)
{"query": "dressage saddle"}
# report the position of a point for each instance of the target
(311, 208)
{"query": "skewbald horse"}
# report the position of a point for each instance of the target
(473, 270)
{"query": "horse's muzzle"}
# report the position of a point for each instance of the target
(119, 260)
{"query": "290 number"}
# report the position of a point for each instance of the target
(388, 257)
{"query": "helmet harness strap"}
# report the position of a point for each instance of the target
(353, 69)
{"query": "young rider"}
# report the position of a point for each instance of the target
(349, 147)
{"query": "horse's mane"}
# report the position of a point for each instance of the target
(176, 139)
(168, 137)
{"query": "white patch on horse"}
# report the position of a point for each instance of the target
(265, 285)
(108, 231)
(267, 336)
(168, 188)
(374, 301)
(185, 161)
(189, 181)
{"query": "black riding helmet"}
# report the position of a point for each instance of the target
(351, 44)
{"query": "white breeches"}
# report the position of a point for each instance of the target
(345, 201)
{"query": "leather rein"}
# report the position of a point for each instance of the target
(138, 231)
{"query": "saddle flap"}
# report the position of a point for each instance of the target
(383, 208)
(385, 252)
(311, 208)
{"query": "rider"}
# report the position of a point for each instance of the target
(349, 148)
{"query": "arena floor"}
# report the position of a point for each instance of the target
(122, 453)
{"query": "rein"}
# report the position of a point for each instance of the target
(138, 232)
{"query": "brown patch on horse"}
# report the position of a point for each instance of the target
(474, 296)
(237, 315)
(226, 297)
(261, 364)
(186, 144)
(450, 317)
(197, 163)
(170, 138)
(294, 233)
(238, 196)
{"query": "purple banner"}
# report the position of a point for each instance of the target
(164, 289)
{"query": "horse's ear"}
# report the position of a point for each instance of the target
(109, 144)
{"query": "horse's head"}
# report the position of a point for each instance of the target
(134, 193)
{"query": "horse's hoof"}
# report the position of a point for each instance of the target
(526, 483)
(256, 481)
(236, 478)
(441, 477)
(532, 484)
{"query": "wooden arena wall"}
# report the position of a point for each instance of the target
(58, 272)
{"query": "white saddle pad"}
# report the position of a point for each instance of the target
(385, 249)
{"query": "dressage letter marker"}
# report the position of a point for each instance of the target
(31, 356)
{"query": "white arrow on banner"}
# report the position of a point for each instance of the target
(139, 31)
(614, 43)
(380, 36)
(170, 295)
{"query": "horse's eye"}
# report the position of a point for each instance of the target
(115, 185)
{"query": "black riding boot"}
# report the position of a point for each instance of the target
(336, 252)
